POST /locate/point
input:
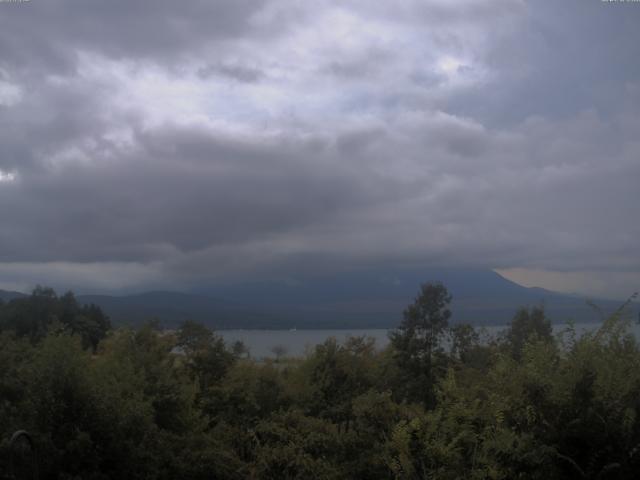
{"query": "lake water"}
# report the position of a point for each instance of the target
(297, 342)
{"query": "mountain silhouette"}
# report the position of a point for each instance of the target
(355, 299)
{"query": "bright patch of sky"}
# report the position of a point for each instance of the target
(7, 176)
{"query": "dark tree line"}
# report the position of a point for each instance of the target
(439, 402)
(43, 312)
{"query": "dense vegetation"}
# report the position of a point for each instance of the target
(103, 403)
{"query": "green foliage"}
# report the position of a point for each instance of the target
(43, 312)
(206, 355)
(528, 324)
(416, 342)
(465, 341)
(337, 374)
(152, 404)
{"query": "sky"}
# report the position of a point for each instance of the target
(173, 144)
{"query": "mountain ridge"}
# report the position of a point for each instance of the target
(356, 299)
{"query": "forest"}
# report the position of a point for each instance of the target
(440, 402)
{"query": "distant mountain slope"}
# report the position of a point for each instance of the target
(6, 295)
(171, 308)
(377, 298)
(358, 299)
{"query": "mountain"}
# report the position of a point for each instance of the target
(377, 298)
(6, 295)
(355, 299)
(170, 308)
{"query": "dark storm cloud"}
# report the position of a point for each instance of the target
(51, 117)
(241, 73)
(175, 142)
(177, 190)
(48, 35)
(562, 58)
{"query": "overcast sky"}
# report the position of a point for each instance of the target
(168, 144)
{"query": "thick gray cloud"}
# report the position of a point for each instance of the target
(561, 57)
(50, 34)
(171, 144)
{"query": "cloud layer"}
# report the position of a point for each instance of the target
(200, 141)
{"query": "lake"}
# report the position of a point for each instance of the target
(297, 342)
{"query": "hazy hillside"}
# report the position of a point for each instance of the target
(170, 308)
(377, 298)
(8, 295)
(363, 299)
